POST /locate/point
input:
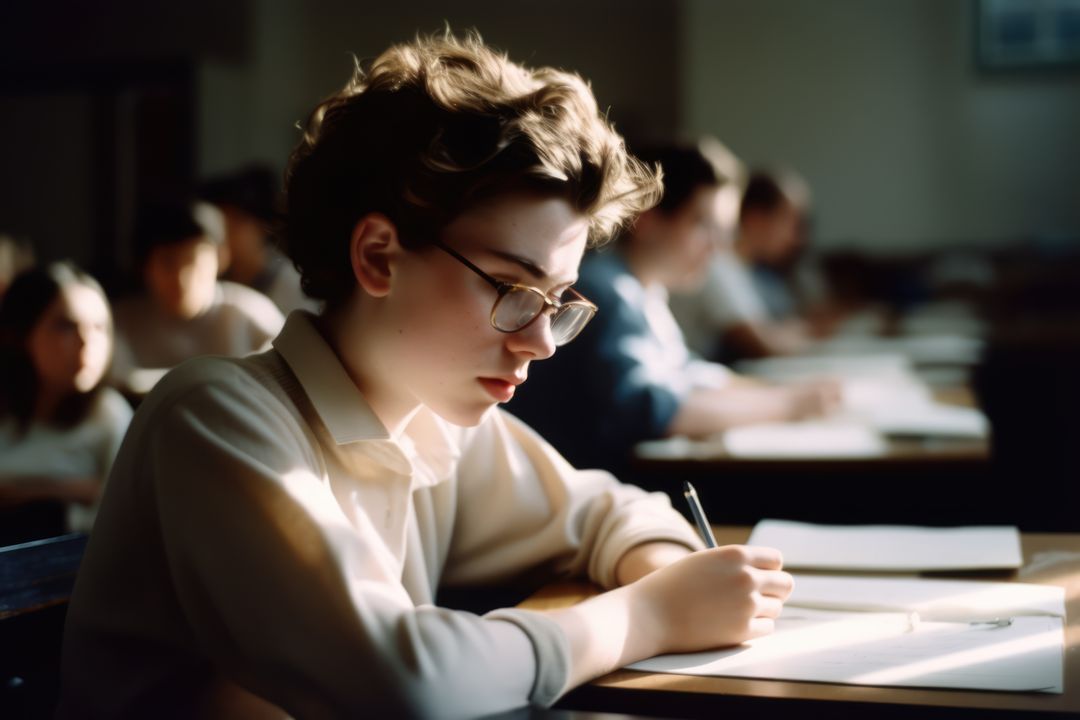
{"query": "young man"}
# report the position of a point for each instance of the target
(745, 304)
(630, 376)
(247, 199)
(184, 311)
(276, 527)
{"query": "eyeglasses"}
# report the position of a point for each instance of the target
(518, 306)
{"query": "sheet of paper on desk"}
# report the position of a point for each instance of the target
(928, 419)
(890, 649)
(881, 366)
(891, 548)
(811, 439)
(938, 600)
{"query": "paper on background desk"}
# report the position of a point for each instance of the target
(880, 366)
(890, 548)
(811, 439)
(931, 634)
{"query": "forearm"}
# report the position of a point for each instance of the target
(643, 559)
(609, 631)
(764, 339)
(707, 412)
(605, 633)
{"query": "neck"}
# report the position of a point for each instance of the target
(247, 267)
(46, 404)
(642, 266)
(743, 248)
(344, 329)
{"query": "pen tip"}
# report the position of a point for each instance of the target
(687, 487)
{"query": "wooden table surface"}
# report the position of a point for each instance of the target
(1050, 558)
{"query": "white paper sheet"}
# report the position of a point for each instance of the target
(892, 548)
(928, 419)
(805, 367)
(811, 439)
(890, 649)
(937, 600)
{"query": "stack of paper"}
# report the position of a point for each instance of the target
(890, 548)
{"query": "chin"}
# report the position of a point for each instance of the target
(464, 415)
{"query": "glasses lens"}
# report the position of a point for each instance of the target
(516, 309)
(569, 320)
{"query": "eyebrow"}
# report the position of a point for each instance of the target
(530, 267)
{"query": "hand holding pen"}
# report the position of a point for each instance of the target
(722, 596)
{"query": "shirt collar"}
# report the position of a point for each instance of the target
(332, 392)
(344, 410)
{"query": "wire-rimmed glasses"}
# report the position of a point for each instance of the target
(518, 306)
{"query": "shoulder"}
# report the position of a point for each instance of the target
(248, 299)
(241, 300)
(209, 375)
(111, 407)
(607, 281)
(235, 400)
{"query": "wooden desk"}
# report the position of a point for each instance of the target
(916, 481)
(692, 697)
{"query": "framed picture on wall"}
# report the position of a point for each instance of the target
(1027, 34)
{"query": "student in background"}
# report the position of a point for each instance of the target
(60, 428)
(630, 376)
(746, 304)
(16, 255)
(247, 198)
(276, 526)
(184, 311)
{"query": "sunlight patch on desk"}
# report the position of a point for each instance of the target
(1012, 661)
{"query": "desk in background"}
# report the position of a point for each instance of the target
(1048, 558)
(924, 481)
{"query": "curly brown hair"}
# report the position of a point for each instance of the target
(432, 128)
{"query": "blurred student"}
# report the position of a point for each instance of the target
(60, 428)
(745, 308)
(630, 376)
(277, 526)
(16, 255)
(247, 200)
(184, 310)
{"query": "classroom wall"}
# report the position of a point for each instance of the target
(300, 52)
(906, 144)
(879, 103)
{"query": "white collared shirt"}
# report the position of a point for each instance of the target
(263, 533)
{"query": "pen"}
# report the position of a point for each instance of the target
(699, 515)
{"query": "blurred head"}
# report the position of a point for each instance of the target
(772, 217)
(248, 200)
(435, 128)
(178, 251)
(696, 214)
(55, 337)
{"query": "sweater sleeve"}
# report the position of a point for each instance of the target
(522, 506)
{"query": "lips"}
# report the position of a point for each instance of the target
(501, 389)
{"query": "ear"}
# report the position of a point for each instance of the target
(372, 249)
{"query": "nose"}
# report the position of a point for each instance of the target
(535, 340)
